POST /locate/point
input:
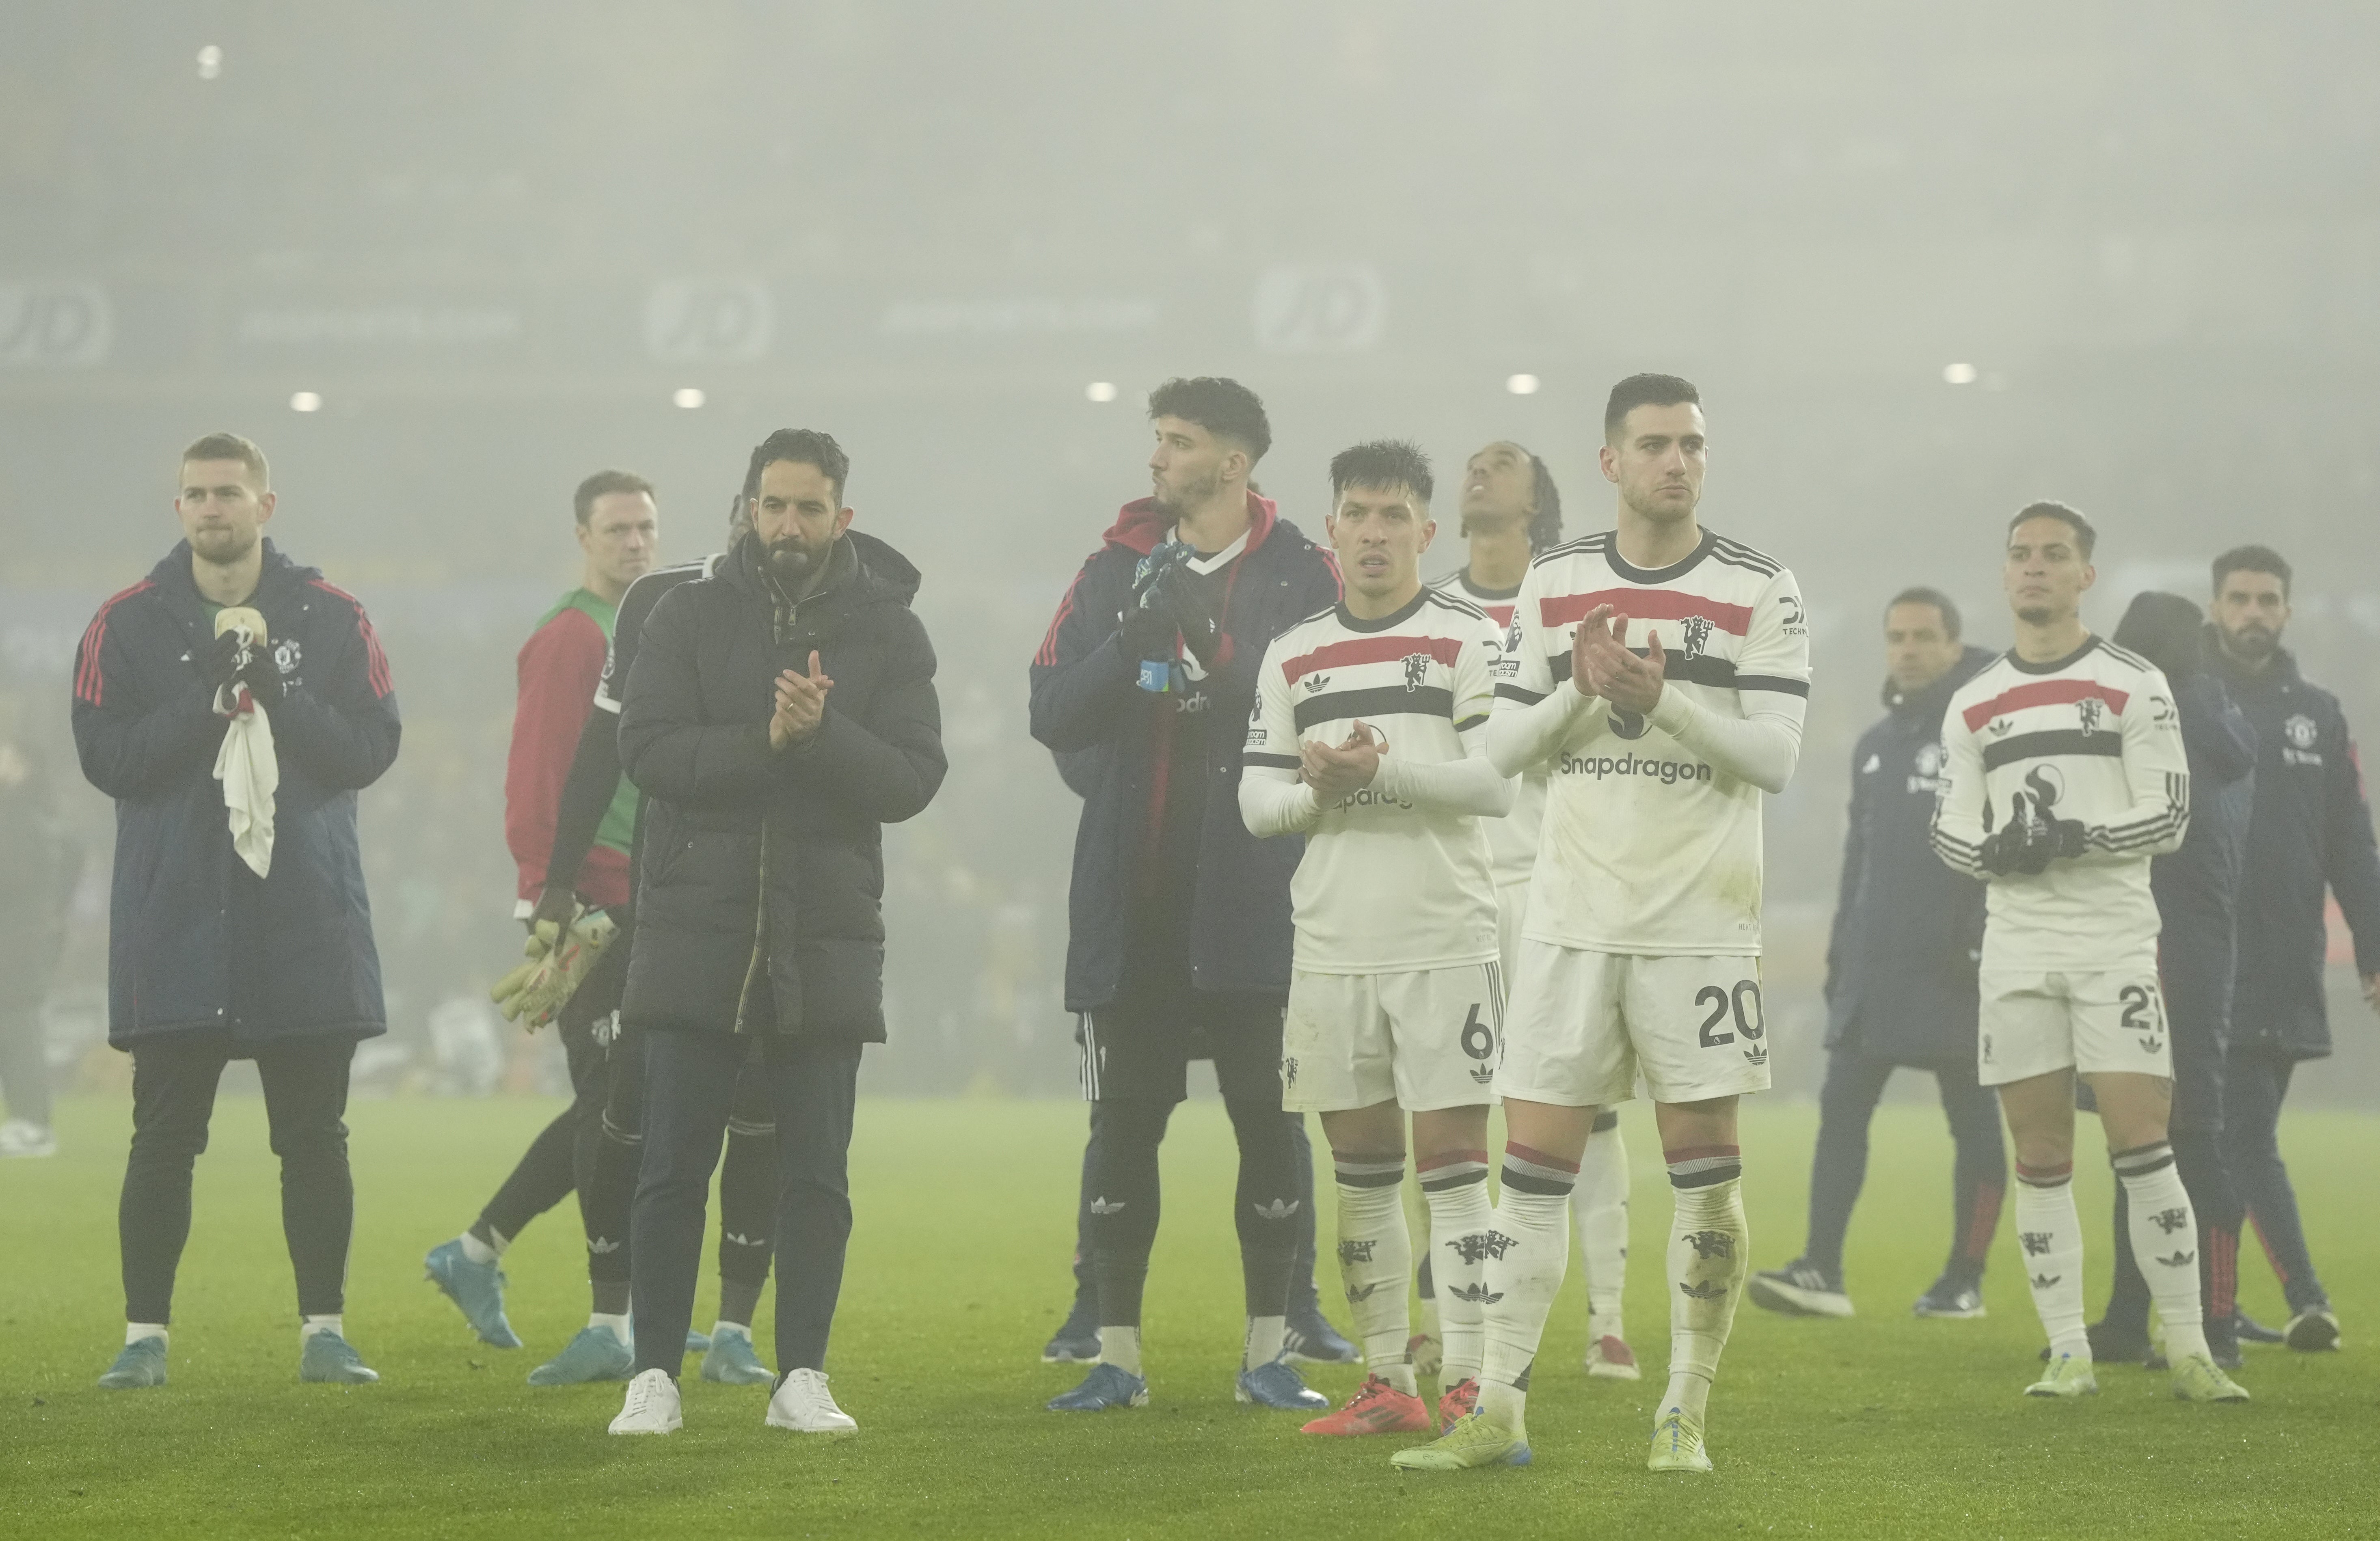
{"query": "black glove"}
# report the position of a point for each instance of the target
(1154, 568)
(556, 903)
(2010, 848)
(263, 677)
(1148, 623)
(2027, 843)
(1185, 601)
(220, 666)
(1148, 632)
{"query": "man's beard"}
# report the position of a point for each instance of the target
(2035, 614)
(224, 547)
(2250, 643)
(1192, 493)
(793, 564)
(1665, 515)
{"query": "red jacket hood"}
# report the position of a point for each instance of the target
(1141, 524)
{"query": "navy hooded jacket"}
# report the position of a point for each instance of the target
(196, 940)
(2312, 829)
(1085, 697)
(1901, 962)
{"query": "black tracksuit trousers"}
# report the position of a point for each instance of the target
(174, 1082)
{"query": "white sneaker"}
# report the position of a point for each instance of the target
(651, 1407)
(24, 1138)
(802, 1403)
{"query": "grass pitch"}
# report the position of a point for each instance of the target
(1881, 1426)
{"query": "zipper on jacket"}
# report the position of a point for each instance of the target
(759, 932)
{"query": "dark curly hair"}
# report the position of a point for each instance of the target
(1223, 407)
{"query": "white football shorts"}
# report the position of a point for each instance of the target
(1424, 1040)
(2034, 1023)
(1585, 1026)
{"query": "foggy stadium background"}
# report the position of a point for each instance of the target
(1925, 266)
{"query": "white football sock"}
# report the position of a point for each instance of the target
(1120, 1346)
(2165, 1243)
(1376, 1260)
(2050, 1232)
(1454, 1185)
(135, 1331)
(1418, 1227)
(311, 1324)
(618, 1325)
(479, 1251)
(1525, 1252)
(1709, 1244)
(1600, 1206)
(1263, 1343)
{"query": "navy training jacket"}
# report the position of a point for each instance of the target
(1087, 697)
(2311, 830)
(1908, 931)
(196, 940)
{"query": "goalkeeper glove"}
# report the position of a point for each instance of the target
(559, 961)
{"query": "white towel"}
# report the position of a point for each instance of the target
(251, 774)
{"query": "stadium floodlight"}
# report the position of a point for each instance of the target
(1099, 390)
(1523, 385)
(1957, 374)
(687, 397)
(209, 62)
(306, 401)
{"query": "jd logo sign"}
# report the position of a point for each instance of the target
(53, 325)
(1321, 307)
(705, 321)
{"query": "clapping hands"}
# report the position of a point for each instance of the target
(801, 705)
(1600, 663)
(1336, 771)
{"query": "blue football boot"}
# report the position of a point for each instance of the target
(330, 1360)
(477, 1288)
(697, 1342)
(731, 1360)
(1105, 1386)
(596, 1354)
(1279, 1387)
(142, 1363)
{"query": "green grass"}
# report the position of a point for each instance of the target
(1882, 1425)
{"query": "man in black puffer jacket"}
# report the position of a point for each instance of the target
(209, 960)
(779, 713)
(1901, 980)
(2311, 832)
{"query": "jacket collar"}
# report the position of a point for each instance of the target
(2280, 673)
(1932, 700)
(172, 577)
(861, 568)
(1142, 523)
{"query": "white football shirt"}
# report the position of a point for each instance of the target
(2093, 737)
(1385, 887)
(1647, 847)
